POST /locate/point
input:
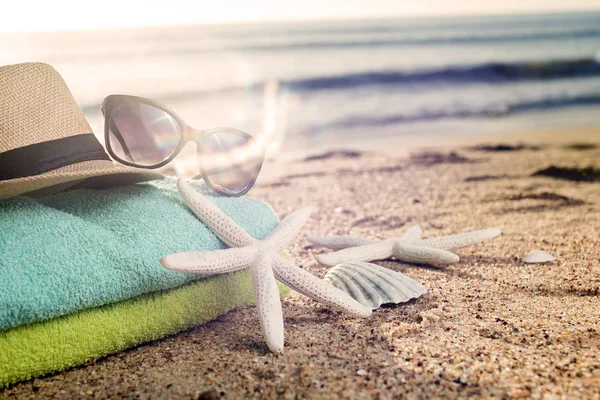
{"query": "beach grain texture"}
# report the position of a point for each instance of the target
(490, 326)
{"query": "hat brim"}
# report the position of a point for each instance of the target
(112, 175)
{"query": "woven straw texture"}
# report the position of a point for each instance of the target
(37, 106)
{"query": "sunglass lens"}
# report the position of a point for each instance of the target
(231, 161)
(142, 134)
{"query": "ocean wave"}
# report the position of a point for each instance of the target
(271, 44)
(495, 111)
(482, 73)
(523, 24)
(489, 73)
(422, 41)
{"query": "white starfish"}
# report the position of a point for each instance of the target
(264, 261)
(409, 248)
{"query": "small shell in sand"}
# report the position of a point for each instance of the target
(373, 285)
(538, 256)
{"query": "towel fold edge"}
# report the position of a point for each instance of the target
(40, 348)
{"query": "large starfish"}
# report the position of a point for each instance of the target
(264, 261)
(409, 248)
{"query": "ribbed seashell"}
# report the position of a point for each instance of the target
(373, 285)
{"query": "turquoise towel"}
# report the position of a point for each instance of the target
(85, 248)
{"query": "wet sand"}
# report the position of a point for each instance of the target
(489, 326)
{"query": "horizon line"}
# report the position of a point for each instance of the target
(276, 21)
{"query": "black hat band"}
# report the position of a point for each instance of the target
(37, 158)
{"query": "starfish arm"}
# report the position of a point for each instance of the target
(375, 251)
(309, 285)
(340, 242)
(268, 302)
(459, 240)
(279, 237)
(223, 226)
(423, 255)
(210, 262)
(413, 233)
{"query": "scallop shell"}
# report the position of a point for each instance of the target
(373, 285)
(538, 256)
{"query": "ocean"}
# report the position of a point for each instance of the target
(311, 86)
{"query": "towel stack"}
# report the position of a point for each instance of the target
(80, 275)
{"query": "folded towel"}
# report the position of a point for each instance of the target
(36, 349)
(86, 248)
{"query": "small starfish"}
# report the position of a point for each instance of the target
(264, 261)
(409, 248)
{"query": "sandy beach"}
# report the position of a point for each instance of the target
(489, 326)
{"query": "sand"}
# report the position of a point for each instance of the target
(489, 326)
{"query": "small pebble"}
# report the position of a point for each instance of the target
(209, 395)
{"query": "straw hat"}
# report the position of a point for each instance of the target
(45, 141)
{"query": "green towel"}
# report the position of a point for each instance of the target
(39, 348)
(87, 248)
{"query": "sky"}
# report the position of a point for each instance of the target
(61, 15)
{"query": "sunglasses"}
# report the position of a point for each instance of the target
(145, 134)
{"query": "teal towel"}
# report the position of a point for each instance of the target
(85, 248)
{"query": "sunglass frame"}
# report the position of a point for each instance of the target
(186, 134)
